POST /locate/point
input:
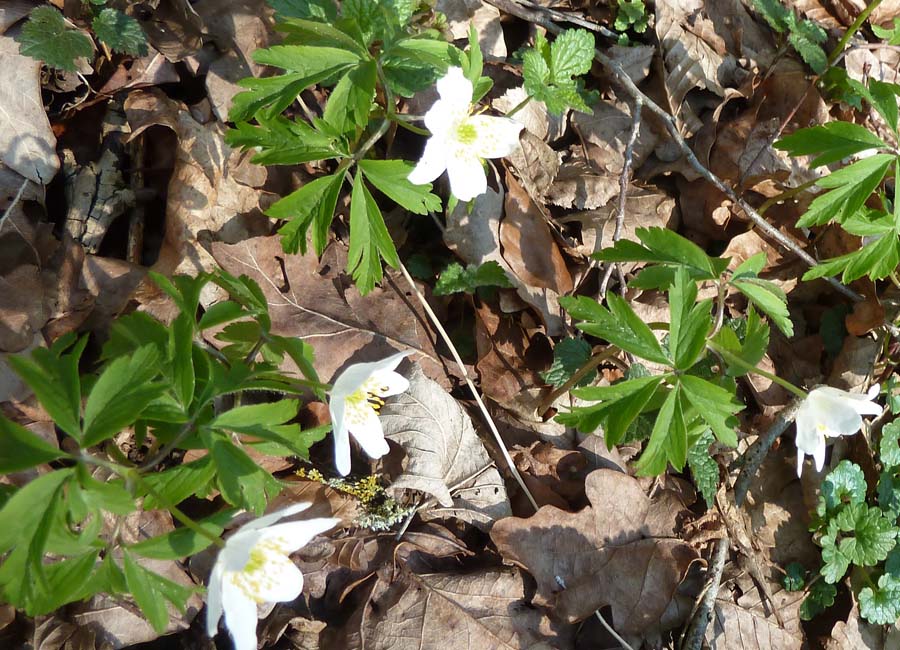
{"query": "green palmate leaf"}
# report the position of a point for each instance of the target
(221, 313)
(891, 34)
(323, 10)
(300, 352)
(663, 246)
(845, 484)
(21, 449)
(690, 322)
(619, 325)
(351, 100)
(877, 259)
(715, 405)
(245, 418)
(22, 513)
(881, 606)
(370, 240)
(242, 482)
(183, 542)
(821, 597)
(314, 203)
(883, 96)
(806, 37)
(181, 355)
(53, 376)
(120, 32)
(769, 299)
(619, 406)
(888, 447)
(704, 468)
(176, 484)
(146, 594)
(120, 394)
(413, 64)
(873, 534)
(833, 142)
(279, 141)
(66, 581)
(568, 356)
(456, 279)
(849, 188)
(390, 177)
(665, 439)
(474, 60)
(317, 34)
(306, 59)
(47, 36)
(749, 351)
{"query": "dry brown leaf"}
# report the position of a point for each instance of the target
(619, 552)
(485, 18)
(27, 144)
(536, 163)
(203, 193)
(606, 133)
(534, 115)
(171, 26)
(744, 621)
(856, 634)
(443, 450)
(580, 185)
(22, 310)
(867, 315)
(476, 238)
(317, 303)
(476, 611)
(13, 11)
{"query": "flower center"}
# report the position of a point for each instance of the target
(254, 577)
(821, 428)
(466, 133)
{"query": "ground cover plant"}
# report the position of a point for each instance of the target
(416, 323)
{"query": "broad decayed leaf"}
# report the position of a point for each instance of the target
(619, 552)
(442, 450)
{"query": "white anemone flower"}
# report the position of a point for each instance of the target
(254, 567)
(356, 398)
(460, 141)
(830, 412)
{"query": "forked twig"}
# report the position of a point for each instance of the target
(697, 629)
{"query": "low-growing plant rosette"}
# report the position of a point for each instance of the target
(254, 567)
(829, 412)
(461, 141)
(355, 401)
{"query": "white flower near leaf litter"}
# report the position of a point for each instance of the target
(830, 412)
(254, 567)
(460, 141)
(355, 401)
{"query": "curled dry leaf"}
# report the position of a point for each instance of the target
(477, 611)
(445, 457)
(27, 144)
(485, 18)
(203, 193)
(316, 302)
(619, 552)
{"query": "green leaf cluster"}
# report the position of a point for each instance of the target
(549, 69)
(805, 36)
(368, 53)
(704, 467)
(631, 14)
(456, 279)
(688, 401)
(848, 191)
(160, 382)
(49, 37)
(569, 356)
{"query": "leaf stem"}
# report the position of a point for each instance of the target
(577, 376)
(743, 365)
(518, 107)
(860, 19)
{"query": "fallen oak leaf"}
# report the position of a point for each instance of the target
(620, 552)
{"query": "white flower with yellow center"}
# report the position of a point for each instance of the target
(460, 141)
(356, 398)
(830, 412)
(254, 567)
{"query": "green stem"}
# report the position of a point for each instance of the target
(794, 191)
(577, 376)
(743, 365)
(518, 107)
(860, 19)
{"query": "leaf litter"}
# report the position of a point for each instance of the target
(472, 563)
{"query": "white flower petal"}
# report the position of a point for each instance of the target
(385, 383)
(272, 579)
(443, 118)
(432, 163)
(341, 435)
(467, 177)
(349, 381)
(819, 456)
(295, 535)
(240, 617)
(214, 600)
(497, 136)
(453, 87)
(368, 433)
(278, 515)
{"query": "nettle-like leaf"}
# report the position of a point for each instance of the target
(844, 485)
(548, 69)
(631, 14)
(888, 446)
(821, 597)
(847, 191)
(881, 606)
(120, 32)
(807, 37)
(569, 356)
(858, 534)
(704, 468)
(794, 578)
(456, 279)
(47, 36)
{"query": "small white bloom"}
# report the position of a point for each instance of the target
(830, 412)
(356, 398)
(254, 567)
(460, 141)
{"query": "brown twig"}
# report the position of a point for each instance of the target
(623, 194)
(697, 629)
(786, 242)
